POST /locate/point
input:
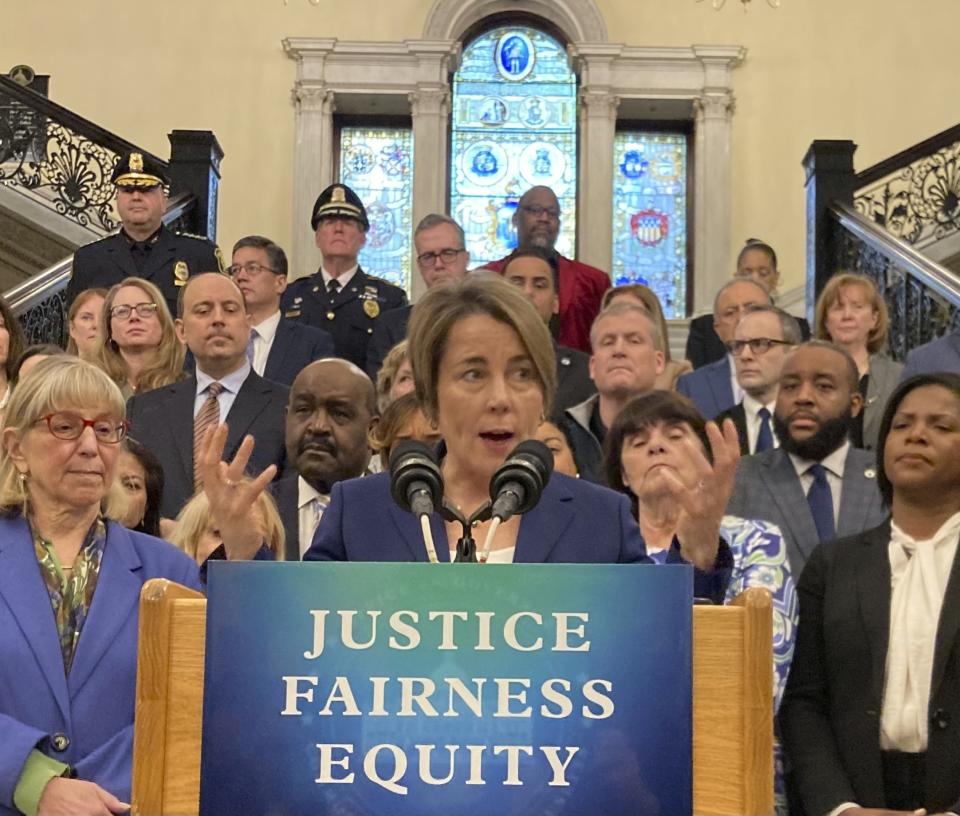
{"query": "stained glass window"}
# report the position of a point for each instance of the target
(514, 127)
(377, 164)
(650, 215)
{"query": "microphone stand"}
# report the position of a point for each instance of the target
(466, 546)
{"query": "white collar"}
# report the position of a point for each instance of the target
(343, 279)
(833, 462)
(306, 492)
(267, 328)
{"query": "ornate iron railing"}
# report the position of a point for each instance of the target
(39, 302)
(58, 158)
(922, 296)
(915, 195)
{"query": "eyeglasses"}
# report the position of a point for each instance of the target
(251, 268)
(64, 425)
(142, 310)
(535, 211)
(758, 345)
(445, 255)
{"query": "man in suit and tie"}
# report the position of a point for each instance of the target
(143, 247)
(278, 348)
(171, 421)
(627, 357)
(534, 270)
(815, 487)
(331, 410)
(340, 297)
(763, 338)
(442, 258)
(714, 387)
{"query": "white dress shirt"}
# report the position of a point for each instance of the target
(231, 385)
(750, 408)
(833, 464)
(343, 280)
(263, 334)
(310, 506)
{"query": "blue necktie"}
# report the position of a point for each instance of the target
(820, 500)
(253, 336)
(765, 436)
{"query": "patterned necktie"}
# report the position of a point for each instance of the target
(333, 287)
(253, 336)
(209, 414)
(765, 435)
(820, 500)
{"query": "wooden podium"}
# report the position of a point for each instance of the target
(732, 704)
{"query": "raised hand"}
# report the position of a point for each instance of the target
(703, 506)
(232, 498)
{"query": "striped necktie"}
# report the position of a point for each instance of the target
(209, 414)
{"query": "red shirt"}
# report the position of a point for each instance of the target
(581, 290)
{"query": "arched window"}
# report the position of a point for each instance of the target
(514, 126)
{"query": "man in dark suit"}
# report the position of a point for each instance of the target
(340, 297)
(144, 247)
(714, 388)
(761, 342)
(942, 354)
(442, 258)
(278, 348)
(815, 487)
(627, 357)
(331, 410)
(213, 323)
(534, 271)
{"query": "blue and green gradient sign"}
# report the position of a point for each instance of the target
(447, 690)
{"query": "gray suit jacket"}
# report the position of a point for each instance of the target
(768, 488)
(884, 376)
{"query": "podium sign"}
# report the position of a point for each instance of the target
(426, 690)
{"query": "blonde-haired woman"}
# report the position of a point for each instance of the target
(140, 349)
(851, 313)
(197, 535)
(672, 369)
(70, 585)
(395, 377)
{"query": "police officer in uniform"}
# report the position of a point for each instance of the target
(341, 298)
(144, 247)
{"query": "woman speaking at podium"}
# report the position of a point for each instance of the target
(485, 375)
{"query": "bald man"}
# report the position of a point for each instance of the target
(331, 410)
(212, 321)
(580, 287)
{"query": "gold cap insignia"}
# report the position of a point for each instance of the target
(371, 308)
(180, 273)
(136, 162)
(338, 196)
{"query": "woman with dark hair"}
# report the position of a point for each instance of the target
(141, 476)
(658, 440)
(11, 346)
(870, 715)
(32, 356)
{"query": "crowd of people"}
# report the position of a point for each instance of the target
(204, 410)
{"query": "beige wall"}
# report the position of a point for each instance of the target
(875, 71)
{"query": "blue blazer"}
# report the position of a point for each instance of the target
(575, 522)
(709, 387)
(93, 706)
(295, 346)
(942, 354)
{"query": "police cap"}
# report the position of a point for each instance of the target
(338, 199)
(137, 169)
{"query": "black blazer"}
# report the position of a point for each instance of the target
(739, 417)
(163, 421)
(830, 715)
(573, 379)
(704, 345)
(173, 258)
(295, 346)
(390, 330)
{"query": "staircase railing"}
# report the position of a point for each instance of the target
(878, 222)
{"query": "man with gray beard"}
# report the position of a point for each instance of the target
(815, 487)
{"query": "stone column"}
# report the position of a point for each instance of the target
(598, 123)
(712, 199)
(430, 112)
(313, 168)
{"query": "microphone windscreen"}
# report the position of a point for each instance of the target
(530, 465)
(413, 467)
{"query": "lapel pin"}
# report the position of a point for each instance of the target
(870, 473)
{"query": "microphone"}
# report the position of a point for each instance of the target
(417, 486)
(517, 484)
